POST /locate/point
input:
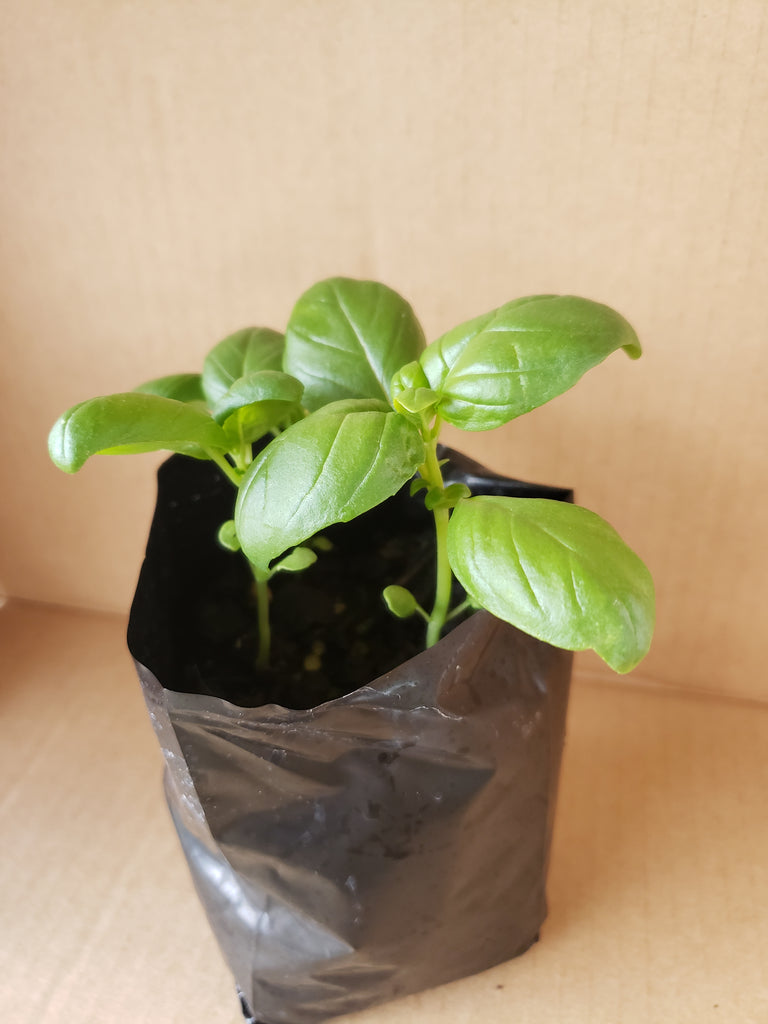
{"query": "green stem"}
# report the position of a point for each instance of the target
(228, 470)
(265, 631)
(262, 588)
(459, 609)
(443, 581)
(420, 611)
(430, 471)
(244, 456)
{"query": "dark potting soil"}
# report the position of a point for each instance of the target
(331, 632)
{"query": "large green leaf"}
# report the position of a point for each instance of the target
(496, 367)
(253, 348)
(183, 387)
(330, 467)
(256, 403)
(556, 571)
(123, 424)
(346, 339)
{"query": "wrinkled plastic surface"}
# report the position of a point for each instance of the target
(379, 844)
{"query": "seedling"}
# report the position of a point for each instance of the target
(348, 406)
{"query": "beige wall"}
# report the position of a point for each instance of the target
(173, 170)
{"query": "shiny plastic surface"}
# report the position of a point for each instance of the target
(381, 843)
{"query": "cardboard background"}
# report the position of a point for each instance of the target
(172, 171)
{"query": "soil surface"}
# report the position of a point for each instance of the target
(193, 621)
(331, 631)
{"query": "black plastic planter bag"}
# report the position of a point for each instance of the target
(386, 840)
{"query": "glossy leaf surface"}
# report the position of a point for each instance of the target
(328, 468)
(259, 386)
(498, 366)
(127, 423)
(242, 353)
(409, 378)
(182, 387)
(557, 571)
(256, 403)
(347, 338)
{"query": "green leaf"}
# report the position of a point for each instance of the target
(409, 378)
(446, 497)
(498, 366)
(255, 403)
(256, 387)
(248, 350)
(400, 601)
(346, 339)
(328, 468)
(320, 543)
(438, 358)
(298, 560)
(183, 387)
(227, 536)
(556, 571)
(415, 401)
(127, 423)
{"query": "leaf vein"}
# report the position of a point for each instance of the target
(361, 483)
(362, 344)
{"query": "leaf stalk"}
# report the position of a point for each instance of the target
(227, 468)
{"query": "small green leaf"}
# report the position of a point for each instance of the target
(400, 601)
(227, 536)
(346, 339)
(320, 543)
(409, 378)
(455, 492)
(298, 560)
(328, 468)
(446, 497)
(415, 401)
(182, 387)
(418, 484)
(259, 386)
(256, 403)
(128, 423)
(556, 571)
(411, 393)
(496, 367)
(433, 498)
(253, 348)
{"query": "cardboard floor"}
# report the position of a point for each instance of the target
(658, 886)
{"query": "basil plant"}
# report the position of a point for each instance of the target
(347, 406)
